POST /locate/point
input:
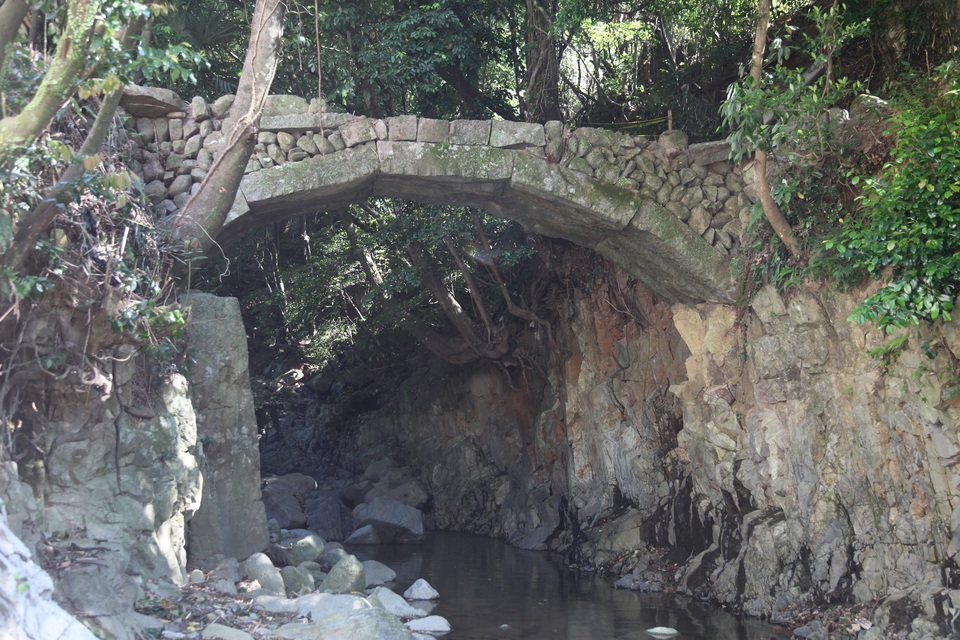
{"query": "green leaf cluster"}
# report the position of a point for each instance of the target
(907, 231)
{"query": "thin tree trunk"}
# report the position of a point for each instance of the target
(779, 223)
(198, 224)
(58, 84)
(367, 263)
(478, 302)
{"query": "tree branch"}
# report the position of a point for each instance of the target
(773, 213)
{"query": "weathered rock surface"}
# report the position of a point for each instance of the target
(347, 576)
(259, 567)
(231, 519)
(377, 573)
(367, 624)
(395, 604)
(29, 611)
(393, 520)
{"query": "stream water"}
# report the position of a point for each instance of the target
(491, 591)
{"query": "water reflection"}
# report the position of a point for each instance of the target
(485, 584)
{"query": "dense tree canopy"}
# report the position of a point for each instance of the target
(454, 280)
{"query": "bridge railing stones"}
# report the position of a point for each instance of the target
(175, 143)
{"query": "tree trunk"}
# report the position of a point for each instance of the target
(12, 13)
(453, 351)
(542, 92)
(770, 209)
(197, 225)
(58, 84)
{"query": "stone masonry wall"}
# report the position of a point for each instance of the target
(173, 145)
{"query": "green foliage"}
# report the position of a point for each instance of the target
(908, 229)
(210, 36)
(784, 107)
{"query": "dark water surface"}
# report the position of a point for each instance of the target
(485, 583)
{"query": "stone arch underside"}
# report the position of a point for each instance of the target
(620, 224)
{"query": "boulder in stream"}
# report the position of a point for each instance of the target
(395, 604)
(345, 577)
(366, 534)
(421, 590)
(430, 625)
(378, 573)
(393, 520)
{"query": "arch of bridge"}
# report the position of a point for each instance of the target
(668, 212)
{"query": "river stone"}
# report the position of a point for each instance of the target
(274, 604)
(332, 554)
(421, 590)
(366, 534)
(345, 577)
(429, 624)
(307, 145)
(327, 515)
(319, 605)
(393, 520)
(216, 631)
(258, 567)
(409, 492)
(377, 573)
(315, 570)
(292, 553)
(366, 624)
(283, 507)
(394, 603)
(297, 581)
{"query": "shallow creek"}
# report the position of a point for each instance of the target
(490, 591)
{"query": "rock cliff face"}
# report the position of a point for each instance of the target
(120, 470)
(781, 464)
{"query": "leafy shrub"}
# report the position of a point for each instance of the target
(907, 228)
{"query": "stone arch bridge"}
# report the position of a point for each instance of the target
(670, 213)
